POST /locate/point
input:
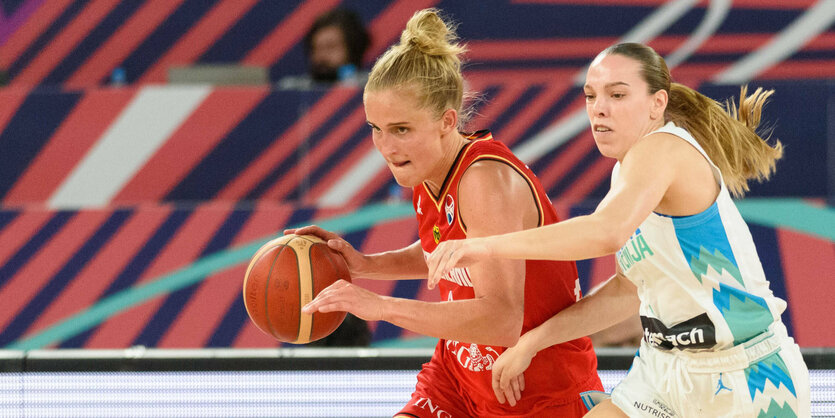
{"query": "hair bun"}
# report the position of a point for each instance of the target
(427, 33)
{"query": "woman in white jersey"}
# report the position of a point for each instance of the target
(714, 344)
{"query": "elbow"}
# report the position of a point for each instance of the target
(508, 330)
(613, 239)
(511, 337)
(608, 234)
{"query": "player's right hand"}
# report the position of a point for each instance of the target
(353, 258)
(454, 253)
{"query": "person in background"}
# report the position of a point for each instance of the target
(334, 46)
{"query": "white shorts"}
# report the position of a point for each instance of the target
(762, 377)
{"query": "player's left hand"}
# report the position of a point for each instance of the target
(508, 374)
(347, 297)
(454, 253)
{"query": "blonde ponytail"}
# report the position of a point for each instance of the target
(728, 135)
(426, 60)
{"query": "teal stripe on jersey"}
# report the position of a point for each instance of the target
(707, 249)
(703, 241)
(746, 315)
(767, 398)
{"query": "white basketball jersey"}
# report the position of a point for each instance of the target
(699, 277)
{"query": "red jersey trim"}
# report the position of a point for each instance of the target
(531, 186)
(437, 200)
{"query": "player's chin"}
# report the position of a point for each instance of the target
(404, 177)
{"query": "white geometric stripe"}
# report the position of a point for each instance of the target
(145, 124)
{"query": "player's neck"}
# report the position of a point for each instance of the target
(456, 142)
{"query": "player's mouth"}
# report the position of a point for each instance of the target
(399, 164)
(598, 129)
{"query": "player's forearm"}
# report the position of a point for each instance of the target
(579, 238)
(405, 263)
(479, 321)
(613, 302)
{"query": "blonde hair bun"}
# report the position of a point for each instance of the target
(429, 34)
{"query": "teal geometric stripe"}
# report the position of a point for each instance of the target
(795, 214)
(777, 411)
(746, 315)
(770, 369)
(196, 272)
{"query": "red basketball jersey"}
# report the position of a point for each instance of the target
(557, 374)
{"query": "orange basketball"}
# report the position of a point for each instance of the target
(283, 276)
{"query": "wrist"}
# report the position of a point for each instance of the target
(487, 244)
(529, 344)
(383, 312)
(362, 267)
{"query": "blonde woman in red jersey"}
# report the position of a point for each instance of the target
(464, 185)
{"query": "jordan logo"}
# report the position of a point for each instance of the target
(720, 386)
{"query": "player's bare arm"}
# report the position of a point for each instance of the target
(646, 174)
(490, 196)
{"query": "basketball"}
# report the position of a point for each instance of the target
(284, 275)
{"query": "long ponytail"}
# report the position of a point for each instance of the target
(728, 134)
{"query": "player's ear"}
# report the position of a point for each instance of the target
(449, 121)
(659, 104)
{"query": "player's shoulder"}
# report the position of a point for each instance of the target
(490, 179)
(661, 148)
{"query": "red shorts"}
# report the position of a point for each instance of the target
(437, 395)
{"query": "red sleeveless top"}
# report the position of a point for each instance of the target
(557, 374)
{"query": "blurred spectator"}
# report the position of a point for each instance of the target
(334, 46)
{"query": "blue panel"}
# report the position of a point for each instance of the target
(10, 6)
(571, 94)
(8, 215)
(315, 137)
(248, 32)
(29, 314)
(36, 47)
(97, 37)
(798, 113)
(322, 169)
(535, 21)
(511, 112)
(169, 32)
(235, 316)
(573, 174)
(174, 303)
(229, 327)
(584, 273)
(29, 130)
(749, 20)
(33, 245)
(768, 248)
(137, 266)
(244, 144)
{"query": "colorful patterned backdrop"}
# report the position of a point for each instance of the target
(128, 212)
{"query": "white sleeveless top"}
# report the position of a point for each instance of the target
(699, 277)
